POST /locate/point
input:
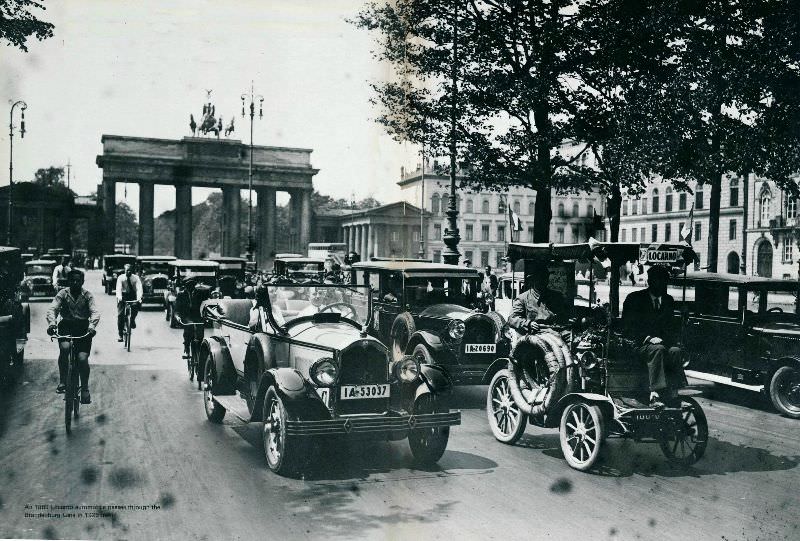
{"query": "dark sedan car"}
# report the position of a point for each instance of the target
(153, 270)
(744, 331)
(428, 310)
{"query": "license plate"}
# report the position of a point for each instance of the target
(351, 392)
(479, 348)
(325, 394)
(159, 291)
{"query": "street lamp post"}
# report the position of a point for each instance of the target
(253, 98)
(22, 107)
(451, 237)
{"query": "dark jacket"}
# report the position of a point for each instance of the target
(549, 307)
(640, 319)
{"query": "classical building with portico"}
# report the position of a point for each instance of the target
(211, 163)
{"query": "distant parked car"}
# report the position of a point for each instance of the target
(153, 270)
(231, 277)
(205, 272)
(38, 280)
(299, 269)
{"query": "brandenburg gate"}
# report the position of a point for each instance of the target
(210, 163)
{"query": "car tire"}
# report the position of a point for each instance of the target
(784, 391)
(283, 453)
(214, 410)
(422, 354)
(506, 420)
(688, 443)
(402, 329)
(583, 424)
(428, 444)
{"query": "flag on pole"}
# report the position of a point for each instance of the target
(514, 221)
(686, 232)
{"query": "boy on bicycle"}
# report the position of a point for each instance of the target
(129, 288)
(76, 313)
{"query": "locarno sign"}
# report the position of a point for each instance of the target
(664, 256)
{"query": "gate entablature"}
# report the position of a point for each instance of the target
(208, 163)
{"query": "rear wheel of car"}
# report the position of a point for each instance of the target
(687, 443)
(283, 452)
(428, 444)
(214, 410)
(402, 329)
(581, 433)
(784, 391)
(506, 420)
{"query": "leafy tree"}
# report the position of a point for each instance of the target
(126, 226)
(49, 176)
(18, 23)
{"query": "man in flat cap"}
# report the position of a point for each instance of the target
(648, 319)
(539, 305)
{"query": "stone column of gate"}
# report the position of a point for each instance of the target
(265, 226)
(344, 237)
(376, 251)
(146, 222)
(228, 193)
(364, 243)
(110, 215)
(370, 240)
(305, 220)
(357, 241)
(183, 221)
(235, 217)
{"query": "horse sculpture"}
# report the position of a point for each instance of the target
(209, 124)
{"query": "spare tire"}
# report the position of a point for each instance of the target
(555, 355)
(402, 329)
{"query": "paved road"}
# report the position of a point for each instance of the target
(145, 442)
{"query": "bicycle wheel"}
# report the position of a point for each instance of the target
(69, 394)
(128, 328)
(76, 399)
(190, 362)
(196, 363)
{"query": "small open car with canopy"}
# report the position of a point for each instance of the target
(585, 377)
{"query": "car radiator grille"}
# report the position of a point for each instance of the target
(158, 283)
(363, 363)
(479, 330)
(40, 280)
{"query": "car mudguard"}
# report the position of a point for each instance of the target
(436, 380)
(494, 368)
(431, 341)
(215, 349)
(554, 414)
(299, 397)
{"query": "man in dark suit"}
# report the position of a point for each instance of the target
(647, 319)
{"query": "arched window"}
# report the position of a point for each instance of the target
(791, 207)
(501, 206)
(682, 201)
(655, 200)
(734, 199)
(668, 199)
(485, 206)
(516, 207)
(575, 210)
(764, 211)
(435, 204)
(561, 213)
(531, 208)
(590, 210)
(445, 203)
(470, 206)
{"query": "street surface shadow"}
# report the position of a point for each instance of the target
(340, 517)
(335, 459)
(738, 397)
(469, 397)
(9, 396)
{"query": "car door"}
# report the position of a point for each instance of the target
(714, 334)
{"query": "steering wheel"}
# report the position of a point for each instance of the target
(351, 313)
(775, 309)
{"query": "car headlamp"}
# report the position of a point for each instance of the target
(324, 372)
(407, 369)
(456, 329)
(588, 360)
(507, 332)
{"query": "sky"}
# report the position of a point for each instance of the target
(139, 68)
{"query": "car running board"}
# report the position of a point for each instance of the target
(235, 405)
(722, 380)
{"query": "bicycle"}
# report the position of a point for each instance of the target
(127, 330)
(192, 356)
(72, 399)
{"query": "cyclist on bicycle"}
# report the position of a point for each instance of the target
(187, 308)
(60, 273)
(129, 288)
(76, 313)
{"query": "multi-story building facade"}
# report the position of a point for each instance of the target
(661, 213)
(772, 234)
(483, 216)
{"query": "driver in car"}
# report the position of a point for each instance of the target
(647, 319)
(538, 306)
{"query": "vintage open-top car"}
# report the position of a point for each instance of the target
(428, 310)
(298, 269)
(303, 363)
(113, 266)
(204, 272)
(38, 279)
(153, 270)
(584, 376)
(231, 276)
(15, 315)
(744, 331)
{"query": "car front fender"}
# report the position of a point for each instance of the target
(431, 341)
(605, 403)
(495, 367)
(215, 350)
(299, 397)
(436, 380)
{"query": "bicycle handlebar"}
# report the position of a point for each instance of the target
(68, 337)
(190, 323)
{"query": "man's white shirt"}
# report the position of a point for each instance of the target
(124, 287)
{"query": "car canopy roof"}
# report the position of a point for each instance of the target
(546, 251)
(120, 257)
(41, 262)
(156, 258)
(654, 253)
(301, 260)
(420, 269)
(196, 263)
(741, 280)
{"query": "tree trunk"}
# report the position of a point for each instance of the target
(543, 211)
(713, 222)
(542, 215)
(614, 204)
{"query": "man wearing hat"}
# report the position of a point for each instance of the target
(648, 319)
(539, 305)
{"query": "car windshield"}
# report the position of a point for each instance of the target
(155, 267)
(289, 302)
(304, 267)
(40, 269)
(771, 301)
(428, 291)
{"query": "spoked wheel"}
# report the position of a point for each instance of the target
(76, 406)
(69, 397)
(128, 331)
(581, 433)
(196, 363)
(214, 410)
(505, 418)
(784, 391)
(283, 452)
(686, 443)
(428, 444)
(190, 364)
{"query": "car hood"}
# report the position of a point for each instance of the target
(789, 328)
(449, 311)
(333, 335)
